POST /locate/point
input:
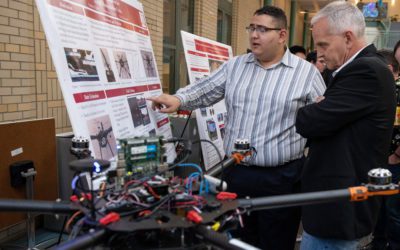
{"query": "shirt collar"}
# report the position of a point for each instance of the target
(287, 59)
(347, 62)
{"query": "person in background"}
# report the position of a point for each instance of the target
(387, 229)
(396, 51)
(263, 91)
(299, 51)
(319, 62)
(348, 129)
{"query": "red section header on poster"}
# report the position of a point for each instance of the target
(130, 14)
(141, 31)
(114, 8)
(154, 86)
(108, 11)
(211, 48)
(162, 122)
(106, 19)
(111, 8)
(89, 96)
(196, 53)
(66, 6)
(218, 58)
(199, 70)
(126, 91)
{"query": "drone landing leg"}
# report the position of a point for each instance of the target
(30, 222)
(112, 153)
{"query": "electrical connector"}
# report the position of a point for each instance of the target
(109, 218)
(194, 217)
(226, 196)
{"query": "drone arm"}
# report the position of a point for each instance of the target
(293, 199)
(358, 193)
(107, 131)
(50, 207)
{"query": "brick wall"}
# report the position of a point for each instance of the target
(205, 18)
(49, 99)
(17, 61)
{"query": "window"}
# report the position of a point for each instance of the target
(178, 15)
(224, 21)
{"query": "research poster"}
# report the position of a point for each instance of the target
(106, 67)
(204, 56)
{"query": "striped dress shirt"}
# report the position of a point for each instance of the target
(261, 103)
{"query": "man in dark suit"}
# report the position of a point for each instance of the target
(349, 128)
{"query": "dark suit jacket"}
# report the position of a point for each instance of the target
(349, 134)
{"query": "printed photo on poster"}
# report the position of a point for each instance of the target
(212, 129)
(220, 117)
(203, 112)
(121, 61)
(102, 137)
(107, 65)
(152, 132)
(212, 111)
(222, 132)
(81, 65)
(198, 78)
(148, 63)
(214, 64)
(139, 111)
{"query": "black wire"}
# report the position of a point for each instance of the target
(156, 205)
(66, 217)
(177, 145)
(220, 159)
(187, 151)
(162, 202)
(61, 231)
(187, 122)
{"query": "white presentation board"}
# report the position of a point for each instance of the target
(106, 67)
(203, 56)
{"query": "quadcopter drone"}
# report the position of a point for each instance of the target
(109, 71)
(102, 139)
(140, 206)
(122, 65)
(148, 59)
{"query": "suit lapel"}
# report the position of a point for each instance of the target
(368, 51)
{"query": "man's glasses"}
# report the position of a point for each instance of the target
(260, 29)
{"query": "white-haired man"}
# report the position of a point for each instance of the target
(349, 129)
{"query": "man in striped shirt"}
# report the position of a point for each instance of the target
(263, 91)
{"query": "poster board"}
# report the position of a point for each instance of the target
(203, 56)
(28, 140)
(106, 67)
